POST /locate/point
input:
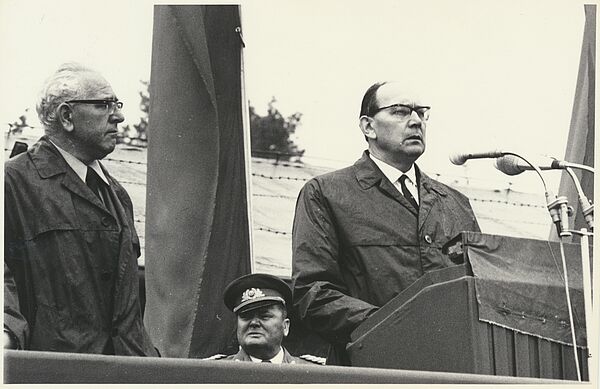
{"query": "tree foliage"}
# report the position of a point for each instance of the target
(16, 127)
(137, 135)
(271, 134)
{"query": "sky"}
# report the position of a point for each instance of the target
(498, 74)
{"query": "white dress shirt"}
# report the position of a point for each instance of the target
(394, 175)
(79, 167)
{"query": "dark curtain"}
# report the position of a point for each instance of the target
(197, 237)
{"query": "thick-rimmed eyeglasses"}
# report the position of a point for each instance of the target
(110, 105)
(404, 111)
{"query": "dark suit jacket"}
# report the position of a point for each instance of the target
(357, 243)
(70, 264)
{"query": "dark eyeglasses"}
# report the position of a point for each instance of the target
(404, 111)
(110, 105)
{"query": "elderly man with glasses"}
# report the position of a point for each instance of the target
(70, 246)
(364, 233)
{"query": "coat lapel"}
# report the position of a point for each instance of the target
(387, 187)
(429, 195)
(49, 163)
(368, 175)
(73, 183)
(242, 356)
(287, 357)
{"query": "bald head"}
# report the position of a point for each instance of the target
(380, 92)
(395, 92)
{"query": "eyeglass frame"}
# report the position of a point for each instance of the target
(111, 105)
(413, 108)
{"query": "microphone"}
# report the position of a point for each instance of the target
(512, 165)
(461, 158)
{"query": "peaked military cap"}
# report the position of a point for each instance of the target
(256, 290)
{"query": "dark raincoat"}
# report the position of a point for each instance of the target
(70, 264)
(357, 243)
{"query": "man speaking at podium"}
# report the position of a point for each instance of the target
(364, 233)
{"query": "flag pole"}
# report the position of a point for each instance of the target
(247, 140)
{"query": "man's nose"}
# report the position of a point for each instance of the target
(415, 120)
(254, 321)
(415, 116)
(117, 116)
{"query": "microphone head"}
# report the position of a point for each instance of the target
(509, 164)
(457, 158)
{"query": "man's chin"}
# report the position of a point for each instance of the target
(414, 151)
(258, 349)
(106, 150)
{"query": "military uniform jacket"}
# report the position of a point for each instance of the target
(287, 358)
(357, 243)
(70, 264)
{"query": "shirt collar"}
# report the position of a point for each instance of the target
(392, 173)
(276, 359)
(79, 167)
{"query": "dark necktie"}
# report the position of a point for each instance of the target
(407, 193)
(93, 180)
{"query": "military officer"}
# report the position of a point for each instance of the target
(260, 302)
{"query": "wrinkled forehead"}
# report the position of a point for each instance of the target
(398, 93)
(96, 86)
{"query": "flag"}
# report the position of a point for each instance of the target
(197, 235)
(580, 143)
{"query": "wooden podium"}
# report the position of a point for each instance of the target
(436, 324)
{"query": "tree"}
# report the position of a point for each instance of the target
(138, 136)
(270, 134)
(16, 128)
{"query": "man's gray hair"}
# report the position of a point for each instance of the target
(64, 85)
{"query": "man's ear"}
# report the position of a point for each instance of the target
(65, 116)
(366, 126)
(286, 327)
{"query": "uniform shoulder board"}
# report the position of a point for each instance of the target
(215, 357)
(313, 359)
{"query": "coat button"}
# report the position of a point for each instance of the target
(105, 276)
(428, 239)
(106, 221)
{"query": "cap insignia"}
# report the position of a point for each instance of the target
(251, 294)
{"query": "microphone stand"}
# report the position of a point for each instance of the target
(566, 164)
(557, 206)
(560, 212)
(587, 210)
(586, 207)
